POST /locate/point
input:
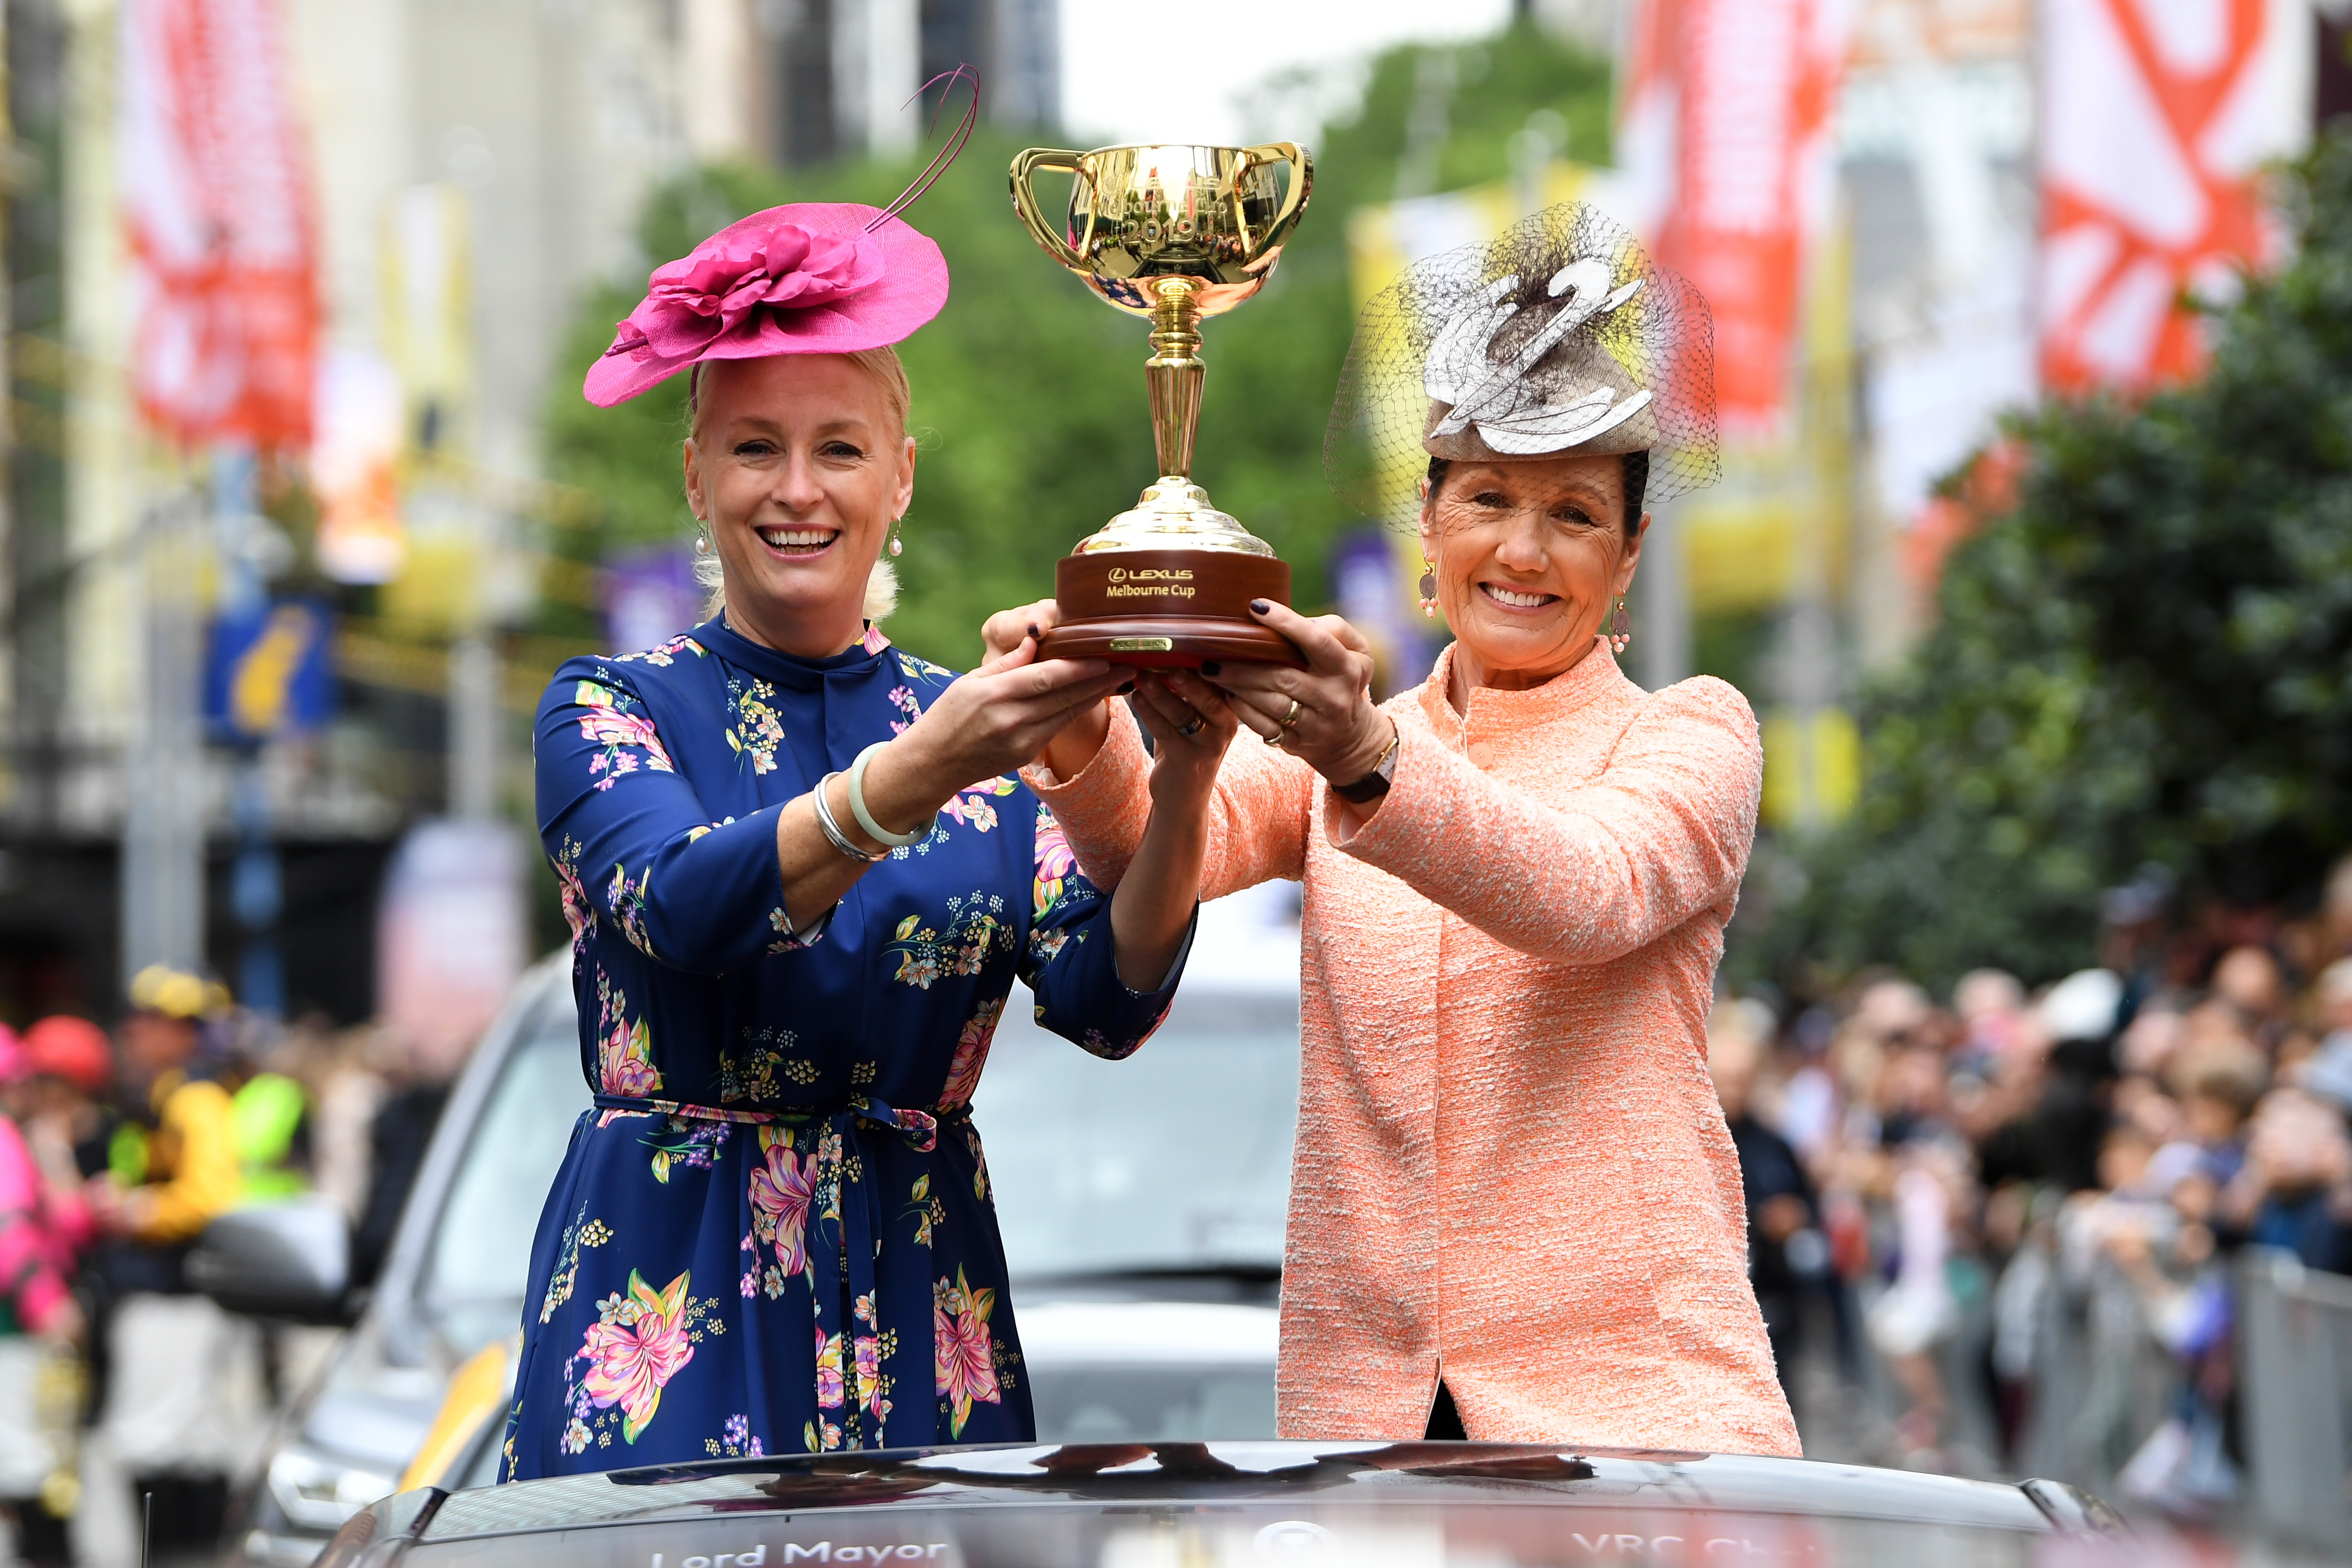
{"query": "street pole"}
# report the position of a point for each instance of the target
(256, 883)
(1661, 606)
(473, 725)
(163, 822)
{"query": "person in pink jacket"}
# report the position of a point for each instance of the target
(38, 1235)
(1516, 1212)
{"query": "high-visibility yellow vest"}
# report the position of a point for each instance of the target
(263, 1119)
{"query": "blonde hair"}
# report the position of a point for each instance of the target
(888, 373)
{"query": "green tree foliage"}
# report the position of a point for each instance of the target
(1029, 398)
(2148, 660)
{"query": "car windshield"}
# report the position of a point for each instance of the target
(1176, 1159)
(473, 1277)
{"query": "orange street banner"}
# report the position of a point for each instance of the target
(215, 201)
(2156, 122)
(1724, 133)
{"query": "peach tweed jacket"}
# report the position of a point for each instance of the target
(1510, 1165)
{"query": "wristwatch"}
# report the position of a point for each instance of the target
(1374, 785)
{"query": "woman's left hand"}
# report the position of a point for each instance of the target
(1323, 715)
(1189, 735)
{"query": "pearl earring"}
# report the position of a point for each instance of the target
(702, 545)
(1428, 590)
(897, 541)
(1621, 627)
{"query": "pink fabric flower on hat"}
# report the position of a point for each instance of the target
(807, 277)
(709, 293)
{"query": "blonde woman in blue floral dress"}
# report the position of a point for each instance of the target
(800, 875)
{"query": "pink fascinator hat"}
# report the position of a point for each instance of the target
(810, 278)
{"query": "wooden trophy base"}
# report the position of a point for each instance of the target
(1168, 609)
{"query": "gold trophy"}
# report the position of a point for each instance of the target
(1173, 233)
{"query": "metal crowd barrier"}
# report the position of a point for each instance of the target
(2294, 1392)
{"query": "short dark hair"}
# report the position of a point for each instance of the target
(1633, 466)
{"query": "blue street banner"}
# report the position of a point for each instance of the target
(267, 671)
(1369, 588)
(650, 597)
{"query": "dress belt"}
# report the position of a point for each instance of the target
(919, 1128)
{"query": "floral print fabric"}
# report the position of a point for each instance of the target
(775, 1231)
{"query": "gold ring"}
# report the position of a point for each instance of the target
(1192, 727)
(1291, 718)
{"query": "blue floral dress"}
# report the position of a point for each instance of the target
(774, 1231)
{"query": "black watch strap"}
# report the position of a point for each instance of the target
(1374, 785)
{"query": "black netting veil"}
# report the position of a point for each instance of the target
(1561, 324)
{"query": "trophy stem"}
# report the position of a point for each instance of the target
(1174, 374)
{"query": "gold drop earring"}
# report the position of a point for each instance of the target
(1428, 588)
(1621, 627)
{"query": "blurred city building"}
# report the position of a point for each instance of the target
(352, 594)
(839, 75)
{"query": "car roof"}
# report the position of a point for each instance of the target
(1327, 1473)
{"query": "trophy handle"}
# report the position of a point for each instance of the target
(1049, 235)
(1302, 180)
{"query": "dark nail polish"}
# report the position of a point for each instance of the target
(1032, 630)
(1127, 690)
(1260, 607)
(1208, 667)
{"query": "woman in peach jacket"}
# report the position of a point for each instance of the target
(1515, 1213)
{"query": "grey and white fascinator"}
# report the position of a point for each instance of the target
(1560, 337)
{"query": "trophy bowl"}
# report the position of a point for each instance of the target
(1173, 233)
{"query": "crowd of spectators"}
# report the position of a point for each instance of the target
(1991, 1231)
(1994, 1230)
(117, 1148)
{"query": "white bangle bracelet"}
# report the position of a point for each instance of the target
(875, 830)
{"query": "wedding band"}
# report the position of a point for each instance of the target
(1192, 727)
(1290, 718)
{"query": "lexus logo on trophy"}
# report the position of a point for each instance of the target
(1172, 234)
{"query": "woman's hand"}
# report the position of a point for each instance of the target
(1070, 749)
(1003, 632)
(984, 724)
(989, 722)
(1323, 715)
(1189, 737)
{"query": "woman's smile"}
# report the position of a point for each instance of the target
(1522, 600)
(796, 541)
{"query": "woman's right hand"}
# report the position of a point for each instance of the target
(989, 722)
(1003, 632)
(1070, 749)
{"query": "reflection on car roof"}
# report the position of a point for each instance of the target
(1333, 1473)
